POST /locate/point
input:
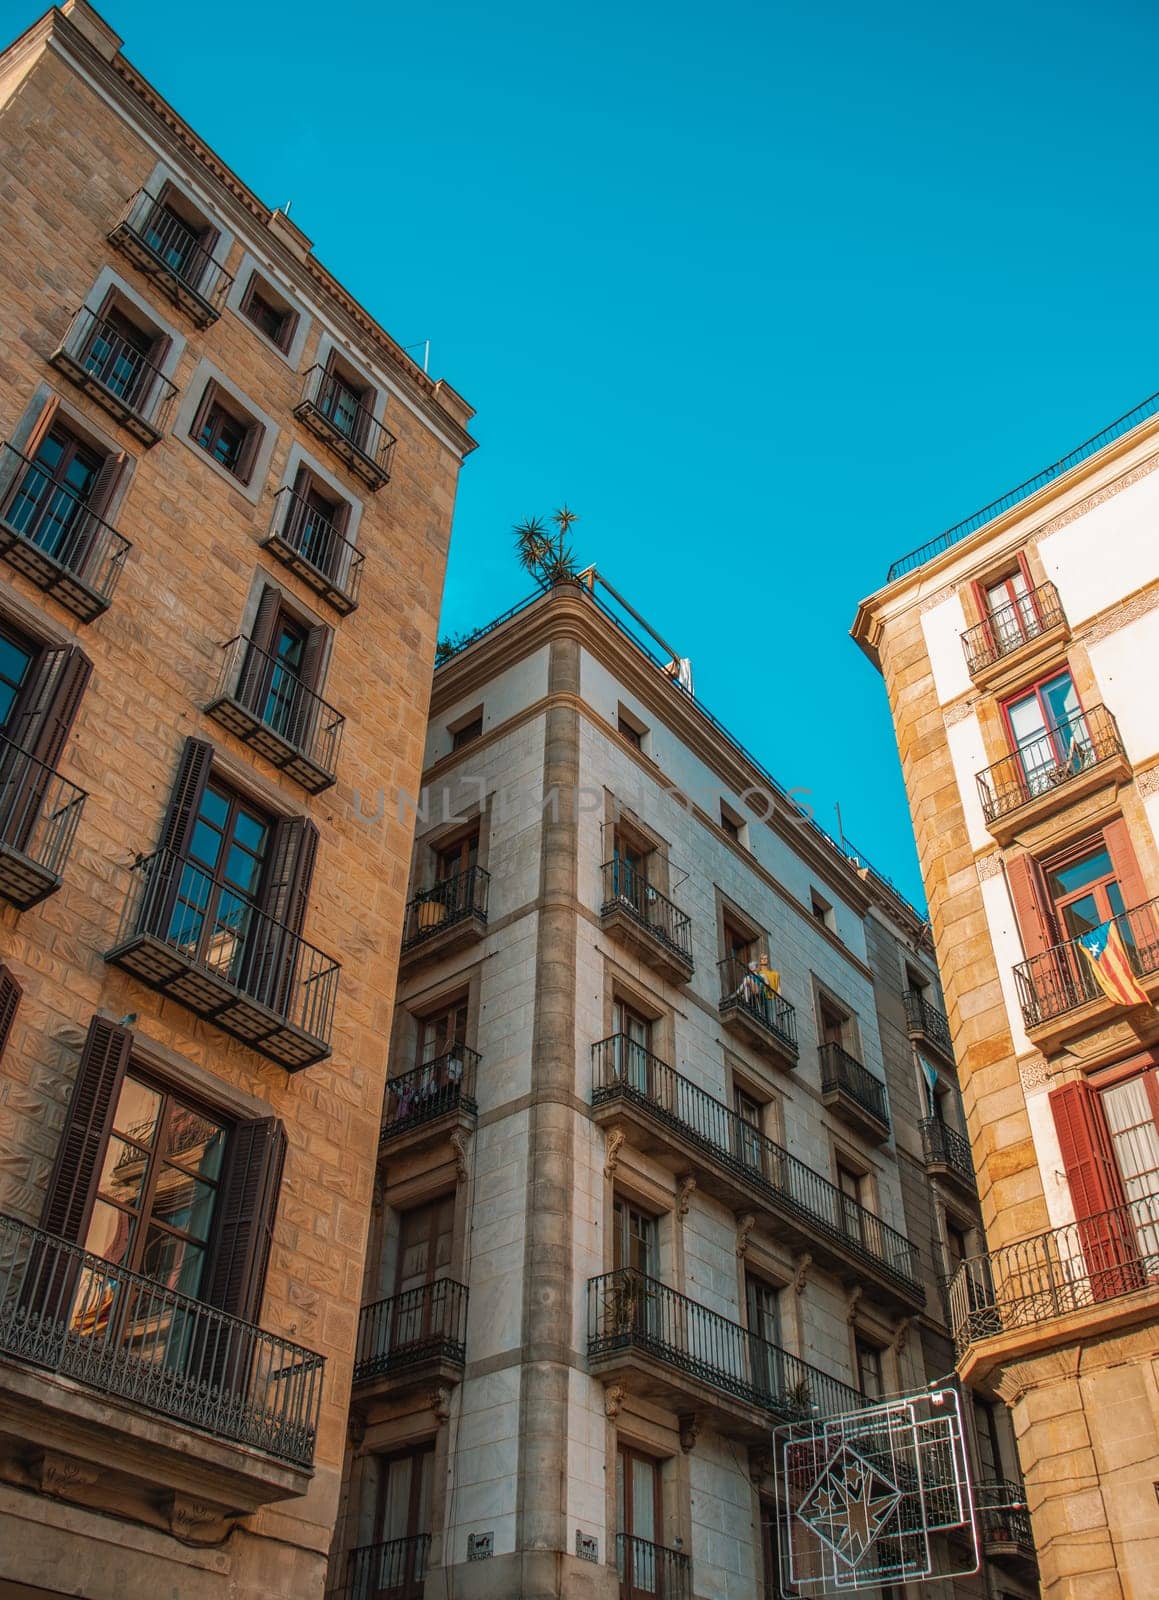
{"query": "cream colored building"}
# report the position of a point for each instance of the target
(1020, 652)
(634, 1205)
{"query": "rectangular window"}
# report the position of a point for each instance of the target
(346, 402)
(1130, 1109)
(402, 1522)
(178, 237)
(16, 657)
(821, 909)
(122, 355)
(468, 733)
(424, 1244)
(869, 1379)
(442, 1032)
(639, 1520)
(634, 1239)
(268, 312)
(1047, 733)
(748, 1129)
(630, 727)
(732, 824)
(1084, 891)
(223, 435)
(458, 859)
(832, 1022)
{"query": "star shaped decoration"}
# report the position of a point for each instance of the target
(849, 1505)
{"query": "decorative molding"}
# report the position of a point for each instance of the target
(197, 1521)
(1073, 513)
(989, 866)
(801, 1271)
(1121, 616)
(614, 1396)
(458, 1142)
(440, 1402)
(1034, 1075)
(852, 1304)
(689, 1425)
(939, 597)
(63, 1475)
(959, 711)
(744, 1227)
(1147, 783)
(612, 1153)
(901, 1335)
(684, 1194)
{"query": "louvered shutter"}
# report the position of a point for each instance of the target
(49, 702)
(72, 1187)
(257, 667)
(10, 993)
(1105, 1233)
(247, 1206)
(275, 954)
(1117, 837)
(193, 771)
(310, 709)
(106, 481)
(1030, 904)
(41, 427)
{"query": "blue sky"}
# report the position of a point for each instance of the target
(768, 293)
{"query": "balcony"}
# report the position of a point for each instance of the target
(636, 913)
(1083, 754)
(425, 1104)
(1075, 1268)
(50, 535)
(39, 813)
(118, 376)
(687, 1358)
(130, 1340)
(174, 256)
(651, 1571)
(329, 409)
(1058, 991)
(925, 1024)
(947, 1153)
(450, 914)
(392, 1571)
(227, 960)
(756, 1013)
(310, 545)
(1013, 640)
(271, 709)
(1004, 1522)
(417, 1337)
(853, 1092)
(670, 1117)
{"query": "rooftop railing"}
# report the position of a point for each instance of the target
(1043, 765)
(98, 357)
(1061, 978)
(451, 900)
(60, 544)
(1007, 628)
(430, 1091)
(627, 886)
(424, 1324)
(39, 814)
(840, 1070)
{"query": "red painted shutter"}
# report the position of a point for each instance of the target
(245, 1223)
(1031, 905)
(1117, 838)
(1105, 1234)
(10, 993)
(72, 1187)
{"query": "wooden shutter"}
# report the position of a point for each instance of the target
(1117, 837)
(249, 451)
(1105, 1233)
(265, 622)
(10, 992)
(106, 481)
(1030, 904)
(257, 669)
(41, 425)
(72, 1187)
(291, 869)
(185, 798)
(247, 1206)
(49, 702)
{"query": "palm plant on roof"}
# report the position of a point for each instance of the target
(547, 556)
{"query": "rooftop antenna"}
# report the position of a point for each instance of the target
(286, 208)
(426, 344)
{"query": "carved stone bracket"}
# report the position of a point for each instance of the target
(612, 1153)
(62, 1475)
(744, 1226)
(441, 1402)
(684, 1194)
(689, 1431)
(852, 1304)
(801, 1271)
(198, 1521)
(458, 1143)
(901, 1335)
(614, 1397)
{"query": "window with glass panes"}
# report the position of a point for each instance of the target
(218, 892)
(223, 436)
(1044, 732)
(634, 1239)
(869, 1374)
(50, 498)
(15, 659)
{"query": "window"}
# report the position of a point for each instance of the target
(631, 862)
(630, 727)
(739, 943)
(732, 823)
(748, 1128)
(1047, 733)
(226, 437)
(832, 1022)
(458, 859)
(763, 1311)
(402, 1523)
(442, 1032)
(178, 237)
(425, 1238)
(1130, 1109)
(269, 313)
(467, 733)
(852, 1188)
(821, 910)
(16, 657)
(1084, 891)
(281, 674)
(53, 498)
(639, 1519)
(957, 1246)
(347, 402)
(213, 914)
(989, 1441)
(1010, 610)
(869, 1379)
(122, 355)
(316, 524)
(634, 1239)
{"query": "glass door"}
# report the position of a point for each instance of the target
(218, 886)
(633, 1049)
(1012, 616)
(1048, 734)
(402, 1524)
(763, 1307)
(425, 1239)
(50, 501)
(1135, 1141)
(639, 1517)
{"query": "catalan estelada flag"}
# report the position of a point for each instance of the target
(1104, 949)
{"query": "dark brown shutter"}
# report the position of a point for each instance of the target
(106, 481)
(49, 702)
(257, 667)
(10, 992)
(1030, 904)
(1106, 1236)
(185, 798)
(1117, 838)
(314, 656)
(207, 399)
(247, 1206)
(72, 1187)
(265, 622)
(291, 869)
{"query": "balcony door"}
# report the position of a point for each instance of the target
(639, 1518)
(425, 1239)
(120, 355)
(636, 1255)
(1011, 613)
(633, 1047)
(314, 527)
(52, 495)
(219, 885)
(15, 660)
(1130, 1111)
(630, 862)
(750, 1147)
(851, 1187)
(397, 1563)
(1050, 743)
(763, 1310)
(346, 406)
(436, 1084)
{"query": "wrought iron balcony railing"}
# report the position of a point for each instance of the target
(99, 359)
(651, 1571)
(312, 546)
(622, 1069)
(626, 887)
(741, 988)
(175, 255)
(39, 813)
(1049, 763)
(626, 1310)
(1011, 626)
(946, 1147)
(1003, 1517)
(395, 1570)
(1061, 978)
(126, 1335)
(1067, 1269)
(48, 533)
(272, 709)
(455, 899)
(330, 409)
(843, 1072)
(227, 960)
(424, 1324)
(923, 1017)
(431, 1091)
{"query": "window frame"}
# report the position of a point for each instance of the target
(215, 398)
(259, 287)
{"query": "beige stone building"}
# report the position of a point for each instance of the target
(225, 503)
(638, 1203)
(1020, 651)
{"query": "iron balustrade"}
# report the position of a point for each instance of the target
(127, 1335)
(651, 1571)
(229, 940)
(626, 886)
(628, 1310)
(282, 715)
(922, 1016)
(742, 987)
(451, 900)
(946, 1147)
(321, 554)
(175, 254)
(424, 1324)
(330, 408)
(58, 542)
(430, 1091)
(1044, 764)
(395, 1570)
(1060, 978)
(1072, 1268)
(39, 813)
(1007, 628)
(623, 1069)
(96, 355)
(1003, 1515)
(841, 1071)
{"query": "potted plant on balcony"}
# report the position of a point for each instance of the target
(431, 911)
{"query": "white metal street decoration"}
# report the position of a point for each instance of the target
(876, 1496)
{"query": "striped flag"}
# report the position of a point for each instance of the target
(1104, 949)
